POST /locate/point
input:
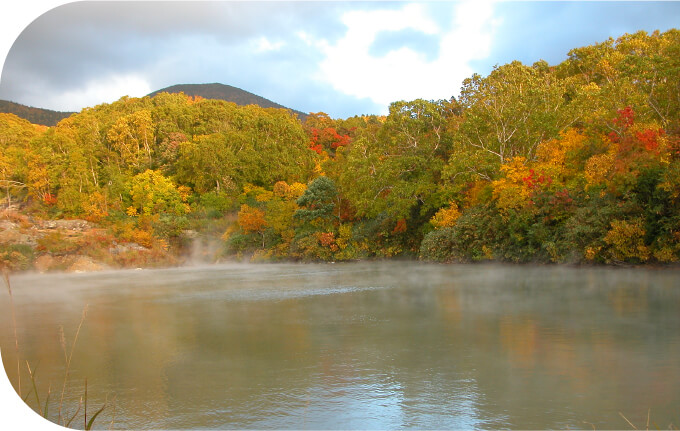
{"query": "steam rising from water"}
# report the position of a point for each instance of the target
(362, 345)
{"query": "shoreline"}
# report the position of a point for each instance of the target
(79, 246)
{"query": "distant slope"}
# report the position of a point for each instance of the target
(225, 92)
(47, 117)
(41, 116)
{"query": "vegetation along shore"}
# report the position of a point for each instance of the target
(577, 162)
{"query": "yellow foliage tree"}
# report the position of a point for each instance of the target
(626, 239)
(446, 217)
(599, 167)
(152, 193)
(512, 191)
(553, 155)
(132, 136)
(259, 193)
(296, 190)
(281, 189)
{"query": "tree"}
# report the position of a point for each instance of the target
(507, 114)
(247, 145)
(399, 168)
(318, 202)
(272, 147)
(58, 169)
(132, 137)
(15, 137)
(324, 134)
(446, 217)
(252, 220)
(638, 70)
(208, 163)
(152, 193)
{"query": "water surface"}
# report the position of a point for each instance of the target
(358, 346)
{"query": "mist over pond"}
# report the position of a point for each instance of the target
(359, 346)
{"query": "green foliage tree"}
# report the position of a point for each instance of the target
(574, 162)
(207, 163)
(400, 167)
(319, 202)
(507, 114)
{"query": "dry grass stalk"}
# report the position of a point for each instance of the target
(68, 360)
(626, 419)
(80, 404)
(85, 414)
(648, 412)
(591, 424)
(5, 276)
(31, 373)
(113, 413)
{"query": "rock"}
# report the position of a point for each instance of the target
(189, 234)
(8, 225)
(124, 248)
(15, 236)
(46, 224)
(44, 263)
(85, 264)
(74, 225)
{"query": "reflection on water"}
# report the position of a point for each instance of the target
(368, 346)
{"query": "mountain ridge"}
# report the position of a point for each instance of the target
(41, 116)
(50, 118)
(225, 92)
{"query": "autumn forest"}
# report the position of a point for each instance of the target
(575, 163)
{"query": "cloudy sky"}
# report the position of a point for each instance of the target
(343, 58)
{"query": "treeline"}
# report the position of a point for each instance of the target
(41, 116)
(578, 162)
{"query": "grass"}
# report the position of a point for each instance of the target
(5, 276)
(670, 426)
(649, 411)
(43, 409)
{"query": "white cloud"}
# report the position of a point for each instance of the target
(105, 90)
(405, 74)
(305, 37)
(265, 45)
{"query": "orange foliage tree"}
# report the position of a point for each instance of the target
(252, 220)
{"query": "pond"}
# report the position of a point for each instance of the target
(355, 346)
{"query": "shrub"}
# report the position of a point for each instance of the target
(16, 256)
(216, 203)
(471, 239)
(439, 245)
(57, 244)
(238, 243)
(169, 226)
(626, 239)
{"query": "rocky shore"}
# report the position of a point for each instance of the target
(66, 245)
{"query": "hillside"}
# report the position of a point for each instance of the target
(580, 166)
(225, 92)
(47, 117)
(40, 116)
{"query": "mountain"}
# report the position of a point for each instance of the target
(225, 92)
(47, 117)
(41, 116)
